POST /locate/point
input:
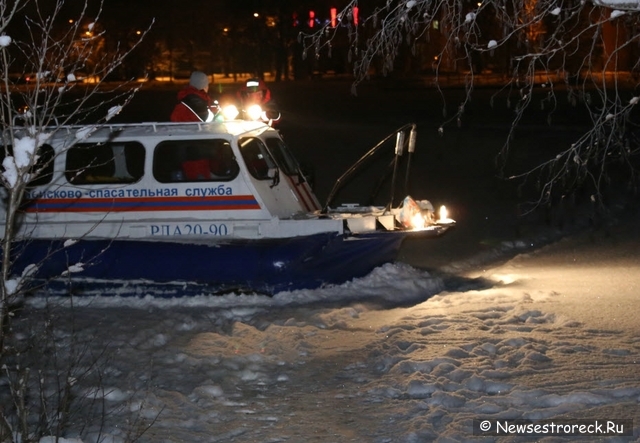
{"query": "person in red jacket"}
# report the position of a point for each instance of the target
(194, 103)
(254, 91)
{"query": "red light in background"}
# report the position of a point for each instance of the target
(334, 14)
(312, 18)
(355, 15)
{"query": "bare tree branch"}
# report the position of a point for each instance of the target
(584, 52)
(55, 51)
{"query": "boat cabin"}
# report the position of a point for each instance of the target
(161, 179)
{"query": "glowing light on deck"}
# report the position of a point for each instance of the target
(443, 215)
(418, 221)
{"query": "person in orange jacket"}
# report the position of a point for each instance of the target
(194, 103)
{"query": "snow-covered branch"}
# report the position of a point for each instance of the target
(622, 5)
(67, 63)
(586, 52)
(54, 51)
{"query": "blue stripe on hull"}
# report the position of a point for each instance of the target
(263, 266)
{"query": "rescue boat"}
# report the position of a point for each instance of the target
(202, 208)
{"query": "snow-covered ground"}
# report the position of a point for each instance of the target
(401, 355)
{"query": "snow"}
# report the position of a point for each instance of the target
(85, 132)
(10, 173)
(113, 111)
(11, 286)
(16, 165)
(5, 41)
(628, 5)
(78, 267)
(23, 151)
(22, 159)
(402, 355)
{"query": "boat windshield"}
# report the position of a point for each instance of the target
(257, 158)
(283, 156)
(194, 160)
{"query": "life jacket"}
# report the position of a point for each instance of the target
(194, 106)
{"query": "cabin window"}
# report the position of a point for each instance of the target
(105, 163)
(42, 171)
(257, 158)
(283, 156)
(194, 160)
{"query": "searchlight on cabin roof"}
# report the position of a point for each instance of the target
(230, 112)
(254, 112)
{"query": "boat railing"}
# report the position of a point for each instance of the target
(113, 127)
(401, 140)
(118, 127)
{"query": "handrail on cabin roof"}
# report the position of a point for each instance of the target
(115, 127)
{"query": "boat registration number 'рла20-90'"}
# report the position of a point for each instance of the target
(189, 229)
